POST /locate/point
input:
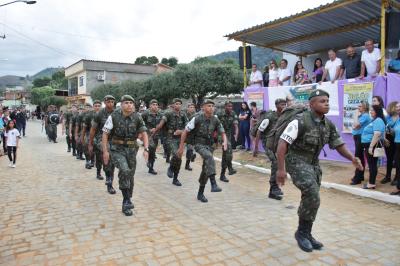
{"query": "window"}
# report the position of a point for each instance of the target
(81, 81)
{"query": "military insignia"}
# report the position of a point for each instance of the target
(317, 92)
(290, 129)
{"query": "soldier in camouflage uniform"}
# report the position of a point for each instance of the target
(95, 142)
(72, 126)
(77, 135)
(52, 120)
(151, 118)
(202, 128)
(190, 154)
(230, 123)
(86, 125)
(266, 122)
(124, 126)
(174, 122)
(299, 148)
(65, 127)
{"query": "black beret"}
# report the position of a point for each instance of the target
(318, 93)
(280, 100)
(208, 101)
(96, 102)
(153, 101)
(176, 100)
(125, 98)
(109, 97)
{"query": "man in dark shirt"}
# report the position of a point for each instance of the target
(351, 63)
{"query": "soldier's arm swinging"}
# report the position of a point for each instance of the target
(257, 139)
(145, 138)
(104, 142)
(343, 151)
(182, 143)
(236, 134)
(224, 141)
(159, 126)
(91, 138)
(83, 130)
(280, 154)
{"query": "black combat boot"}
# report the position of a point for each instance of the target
(175, 181)
(275, 192)
(315, 243)
(98, 174)
(87, 165)
(167, 159)
(301, 236)
(69, 149)
(125, 203)
(214, 186)
(73, 152)
(110, 188)
(151, 168)
(129, 203)
(187, 166)
(170, 174)
(200, 194)
(231, 170)
(223, 176)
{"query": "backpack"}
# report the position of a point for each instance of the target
(287, 116)
(54, 119)
(263, 114)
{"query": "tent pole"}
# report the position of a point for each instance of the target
(384, 4)
(244, 66)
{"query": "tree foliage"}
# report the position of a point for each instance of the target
(172, 61)
(40, 93)
(58, 80)
(41, 82)
(144, 60)
(191, 81)
(53, 100)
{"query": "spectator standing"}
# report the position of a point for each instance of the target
(351, 63)
(372, 136)
(244, 125)
(273, 74)
(300, 74)
(20, 119)
(5, 118)
(390, 149)
(266, 76)
(318, 70)
(12, 138)
(284, 73)
(394, 65)
(396, 130)
(2, 127)
(256, 77)
(332, 67)
(361, 121)
(255, 115)
(370, 60)
(377, 100)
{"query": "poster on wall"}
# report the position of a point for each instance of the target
(352, 97)
(301, 93)
(258, 98)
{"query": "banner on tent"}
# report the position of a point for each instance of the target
(353, 95)
(301, 93)
(258, 98)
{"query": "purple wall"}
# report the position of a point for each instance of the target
(388, 87)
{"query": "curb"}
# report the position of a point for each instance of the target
(377, 195)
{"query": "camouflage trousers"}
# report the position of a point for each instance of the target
(227, 157)
(208, 167)
(153, 143)
(190, 154)
(88, 156)
(274, 167)
(124, 158)
(68, 138)
(173, 146)
(52, 131)
(307, 178)
(109, 168)
(73, 142)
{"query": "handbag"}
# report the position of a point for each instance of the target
(379, 151)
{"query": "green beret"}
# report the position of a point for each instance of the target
(126, 98)
(279, 100)
(318, 93)
(109, 97)
(153, 101)
(88, 105)
(208, 101)
(96, 102)
(176, 100)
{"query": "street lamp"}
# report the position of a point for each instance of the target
(19, 1)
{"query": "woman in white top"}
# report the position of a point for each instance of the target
(12, 139)
(273, 74)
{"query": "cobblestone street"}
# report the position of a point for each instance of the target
(54, 211)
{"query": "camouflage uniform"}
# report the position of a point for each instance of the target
(202, 130)
(98, 123)
(79, 145)
(72, 125)
(302, 161)
(190, 154)
(123, 147)
(151, 120)
(52, 125)
(174, 121)
(67, 121)
(272, 116)
(228, 121)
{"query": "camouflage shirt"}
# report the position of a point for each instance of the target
(87, 120)
(124, 127)
(99, 120)
(150, 119)
(228, 121)
(174, 121)
(203, 129)
(67, 119)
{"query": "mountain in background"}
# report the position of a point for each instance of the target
(12, 81)
(47, 72)
(260, 56)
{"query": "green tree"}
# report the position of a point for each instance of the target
(58, 80)
(41, 82)
(204, 60)
(165, 61)
(152, 60)
(144, 60)
(172, 61)
(38, 94)
(99, 92)
(52, 100)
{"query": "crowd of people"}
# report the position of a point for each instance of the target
(352, 65)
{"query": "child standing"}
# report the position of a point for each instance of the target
(12, 137)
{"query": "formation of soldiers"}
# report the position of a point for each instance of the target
(292, 137)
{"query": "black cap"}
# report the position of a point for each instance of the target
(318, 93)
(126, 98)
(109, 97)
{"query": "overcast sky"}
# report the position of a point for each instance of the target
(55, 33)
